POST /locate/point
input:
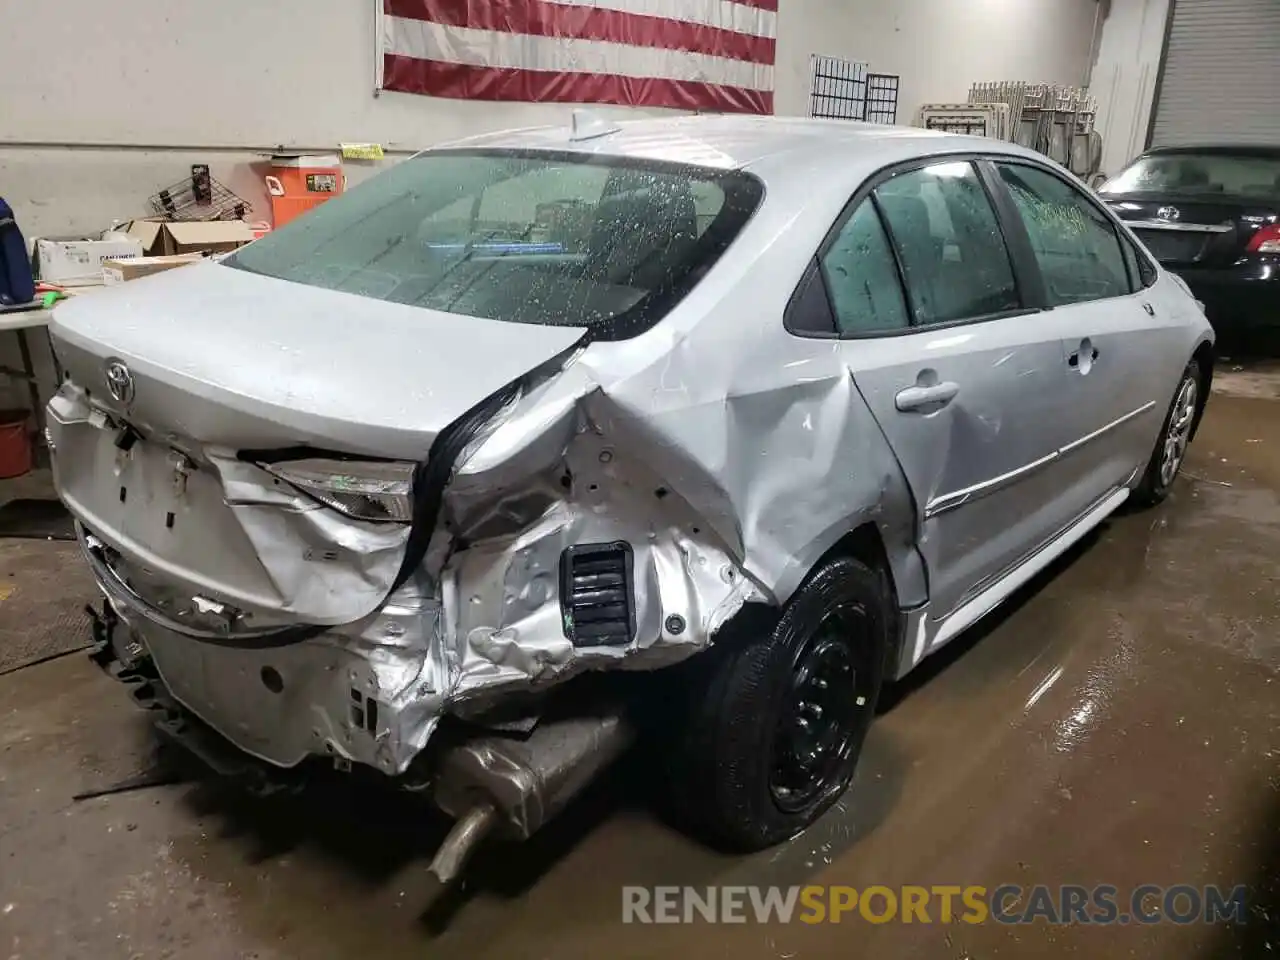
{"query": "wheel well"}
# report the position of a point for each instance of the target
(1203, 357)
(862, 543)
(865, 544)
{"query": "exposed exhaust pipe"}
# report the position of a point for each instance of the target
(462, 841)
(517, 785)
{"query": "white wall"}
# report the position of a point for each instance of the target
(248, 73)
(1124, 77)
(938, 47)
(103, 104)
(137, 92)
(131, 94)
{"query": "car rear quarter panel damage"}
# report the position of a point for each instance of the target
(730, 455)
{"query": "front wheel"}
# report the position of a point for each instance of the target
(778, 722)
(1175, 437)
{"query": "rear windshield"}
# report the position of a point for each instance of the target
(555, 239)
(1199, 173)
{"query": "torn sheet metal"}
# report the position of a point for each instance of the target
(229, 531)
(727, 495)
(729, 455)
(714, 524)
(502, 591)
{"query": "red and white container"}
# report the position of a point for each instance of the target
(299, 183)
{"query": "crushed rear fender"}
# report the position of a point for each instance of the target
(726, 495)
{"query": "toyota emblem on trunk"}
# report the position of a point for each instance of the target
(119, 381)
(1168, 213)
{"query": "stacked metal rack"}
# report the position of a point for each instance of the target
(847, 90)
(1057, 121)
(973, 120)
(199, 197)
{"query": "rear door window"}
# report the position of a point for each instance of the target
(1141, 273)
(954, 259)
(866, 293)
(1076, 245)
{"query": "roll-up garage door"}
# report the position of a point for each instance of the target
(1221, 81)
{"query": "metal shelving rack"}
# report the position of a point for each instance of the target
(1057, 121)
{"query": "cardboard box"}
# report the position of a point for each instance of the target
(161, 238)
(122, 271)
(79, 262)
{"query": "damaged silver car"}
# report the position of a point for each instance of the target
(693, 429)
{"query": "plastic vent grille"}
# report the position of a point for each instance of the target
(595, 594)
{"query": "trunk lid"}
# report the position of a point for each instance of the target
(221, 360)
(1200, 230)
(234, 359)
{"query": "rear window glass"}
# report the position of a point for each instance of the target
(541, 238)
(1241, 176)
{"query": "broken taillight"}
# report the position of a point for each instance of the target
(358, 489)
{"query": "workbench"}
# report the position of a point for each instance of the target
(19, 320)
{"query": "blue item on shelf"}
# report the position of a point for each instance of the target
(16, 283)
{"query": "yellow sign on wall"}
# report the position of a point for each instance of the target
(361, 151)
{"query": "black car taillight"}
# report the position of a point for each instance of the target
(1266, 240)
(596, 597)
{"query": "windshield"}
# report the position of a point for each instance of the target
(537, 237)
(1199, 173)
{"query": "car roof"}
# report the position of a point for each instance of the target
(1219, 149)
(747, 142)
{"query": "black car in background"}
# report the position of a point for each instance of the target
(1212, 216)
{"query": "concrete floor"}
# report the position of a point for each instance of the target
(1119, 724)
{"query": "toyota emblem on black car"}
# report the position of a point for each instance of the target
(119, 381)
(1168, 213)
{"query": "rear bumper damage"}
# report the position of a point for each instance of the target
(505, 607)
(611, 514)
(265, 613)
(490, 783)
(255, 618)
(361, 693)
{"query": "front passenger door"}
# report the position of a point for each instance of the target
(961, 377)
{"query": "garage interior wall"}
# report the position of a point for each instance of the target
(130, 95)
(1219, 82)
(1125, 74)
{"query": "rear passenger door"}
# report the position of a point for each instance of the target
(962, 375)
(1116, 342)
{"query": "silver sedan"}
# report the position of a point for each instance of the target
(697, 430)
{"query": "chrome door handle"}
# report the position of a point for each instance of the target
(913, 398)
(1083, 359)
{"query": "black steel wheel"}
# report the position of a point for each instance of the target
(777, 717)
(818, 729)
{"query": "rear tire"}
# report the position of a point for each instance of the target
(1175, 437)
(776, 721)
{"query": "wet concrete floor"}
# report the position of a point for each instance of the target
(1118, 724)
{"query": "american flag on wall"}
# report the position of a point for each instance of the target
(689, 54)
